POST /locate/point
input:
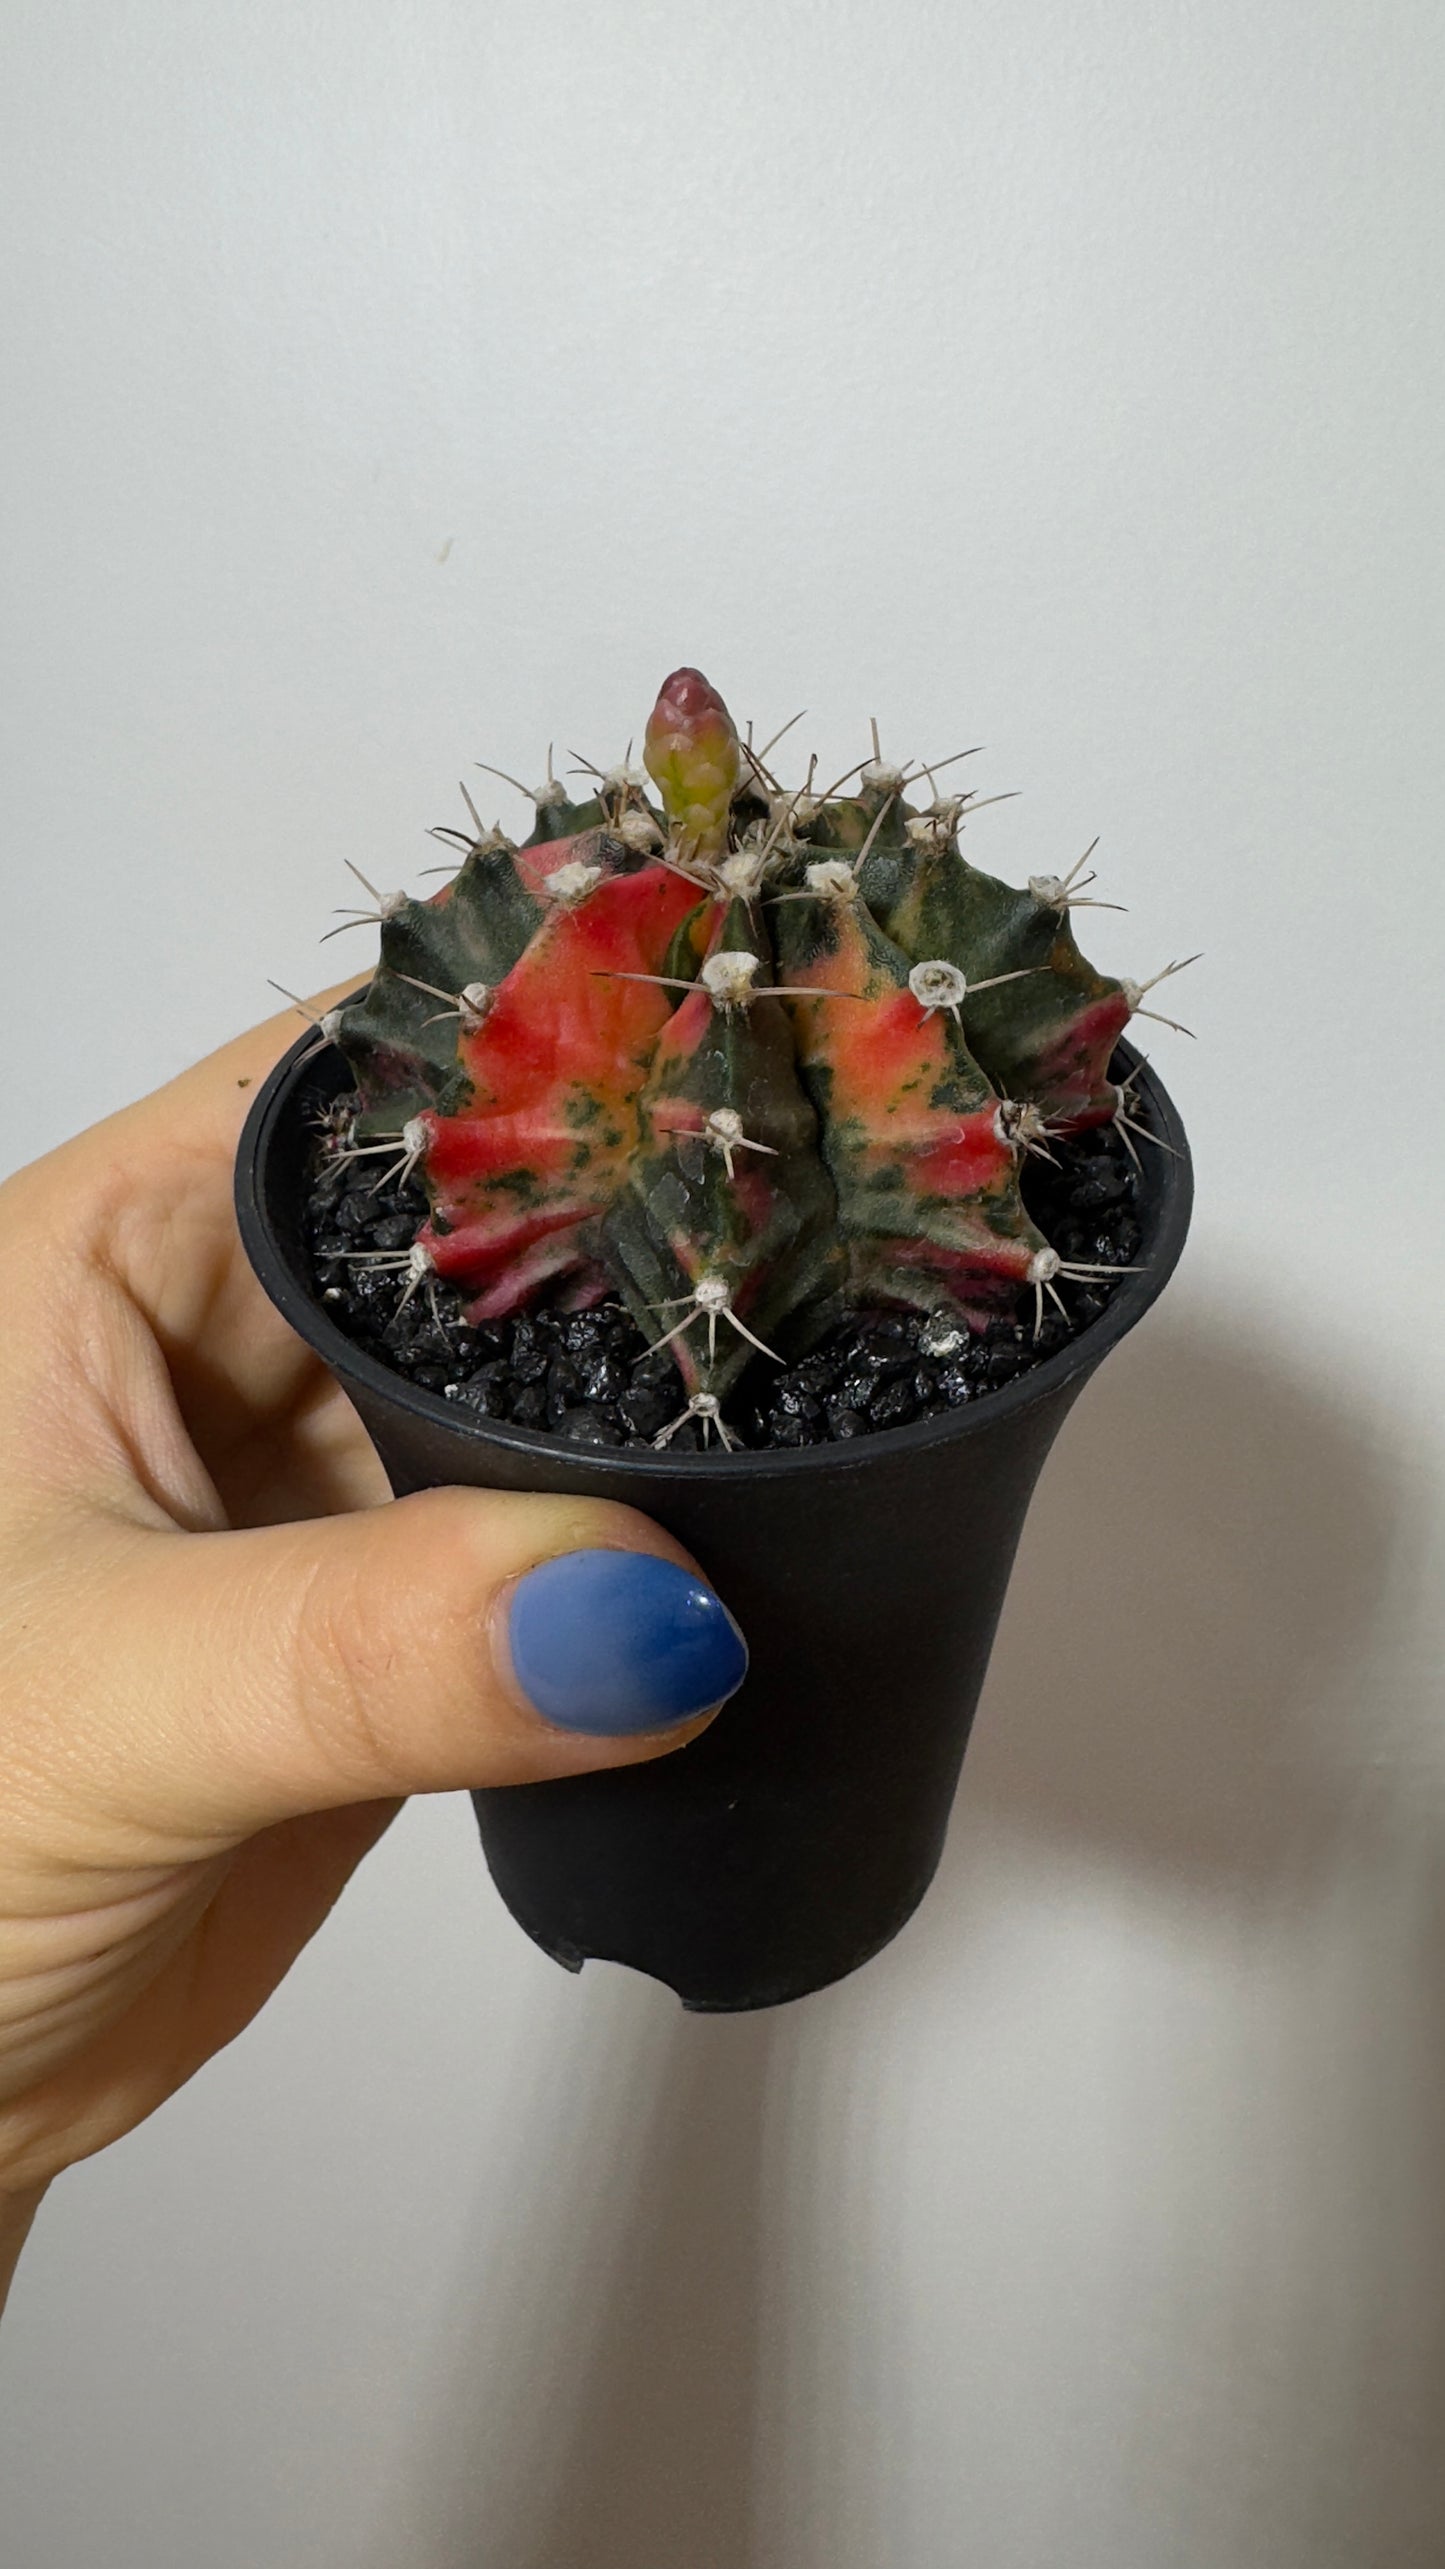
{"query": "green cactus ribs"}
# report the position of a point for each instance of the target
(750, 1065)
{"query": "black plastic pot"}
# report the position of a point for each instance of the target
(794, 1838)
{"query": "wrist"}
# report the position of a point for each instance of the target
(17, 2211)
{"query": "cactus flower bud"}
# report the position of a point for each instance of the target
(694, 758)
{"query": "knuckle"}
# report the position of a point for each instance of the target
(343, 1660)
(389, 1664)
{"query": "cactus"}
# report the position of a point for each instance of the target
(748, 1058)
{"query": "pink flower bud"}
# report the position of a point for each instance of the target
(693, 756)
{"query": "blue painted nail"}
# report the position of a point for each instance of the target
(613, 1642)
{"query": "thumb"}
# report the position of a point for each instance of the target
(451, 1639)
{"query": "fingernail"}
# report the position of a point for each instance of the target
(614, 1642)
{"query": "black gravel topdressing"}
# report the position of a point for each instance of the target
(590, 1377)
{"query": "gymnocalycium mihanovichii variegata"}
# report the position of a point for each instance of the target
(749, 1058)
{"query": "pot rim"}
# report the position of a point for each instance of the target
(1169, 1203)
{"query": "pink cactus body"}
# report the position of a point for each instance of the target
(1047, 1027)
(1070, 1073)
(927, 1187)
(554, 1071)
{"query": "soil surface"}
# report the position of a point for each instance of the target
(590, 1378)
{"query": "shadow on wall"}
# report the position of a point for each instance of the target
(1197, 1683)
(655, 2462)
(1204, 1567)
(598, 2408)
(1175, 1689)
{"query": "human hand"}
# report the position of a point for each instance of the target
(225, 1651)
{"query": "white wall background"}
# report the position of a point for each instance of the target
(395, 385)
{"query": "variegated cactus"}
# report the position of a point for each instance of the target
(747, 1057)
